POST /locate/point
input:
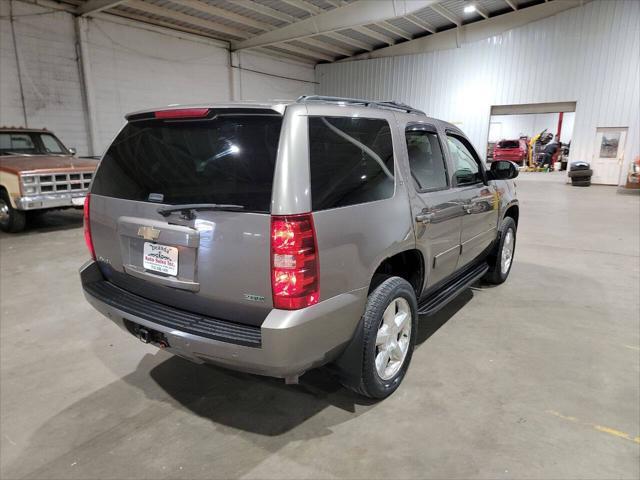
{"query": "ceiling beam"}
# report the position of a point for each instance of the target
(95, 6)
(354, 14)
(304, 51)
(512, 4)
(328, 47)
(289, 56)
(267, 11)
(373, 34)
(395, 30)
(417, 21)
(167, 25)
(222, 13)
(350, 41)
(440, 10)
(473, 32)
(183, 17)
(306, 6)
(482, 11)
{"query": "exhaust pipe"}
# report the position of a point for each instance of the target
(143, 335)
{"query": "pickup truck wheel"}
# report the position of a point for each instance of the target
(390, 324)
(11, 220)
(501, 260)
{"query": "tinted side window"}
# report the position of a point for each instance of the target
(351, 161)
(467, 170)
(426, 160)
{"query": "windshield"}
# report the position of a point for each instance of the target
(30, 143)
(224, 160)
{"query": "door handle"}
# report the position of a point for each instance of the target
(424, 218)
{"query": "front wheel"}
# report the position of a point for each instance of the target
(501, 260)
(11, 220)
(390, 325)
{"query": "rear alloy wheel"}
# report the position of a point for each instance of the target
(11, 220)
(390, 326)
(393, 338)
(501, 261)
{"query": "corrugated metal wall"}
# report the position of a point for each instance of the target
(132, 66)
(589, 54)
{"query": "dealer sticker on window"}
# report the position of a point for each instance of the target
(160, 258)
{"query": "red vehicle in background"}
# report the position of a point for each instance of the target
(513, 150)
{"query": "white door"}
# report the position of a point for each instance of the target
(607, 159)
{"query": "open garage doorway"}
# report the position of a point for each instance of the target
(536, 136)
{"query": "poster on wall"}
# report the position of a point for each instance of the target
(609, 144)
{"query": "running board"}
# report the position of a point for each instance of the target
(438, 299)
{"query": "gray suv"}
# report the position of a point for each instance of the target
(276, 238)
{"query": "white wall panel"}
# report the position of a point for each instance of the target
(131, 66)
(49, 71)
(286, 80)
(588, 54)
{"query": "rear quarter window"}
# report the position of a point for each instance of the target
(351, 161)
(229, 159)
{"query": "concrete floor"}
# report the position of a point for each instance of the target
(537, 378)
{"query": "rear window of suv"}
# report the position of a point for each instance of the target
(351, 161)
(229, 159)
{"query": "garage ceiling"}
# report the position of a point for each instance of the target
(309, 31)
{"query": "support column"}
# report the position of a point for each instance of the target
(235, 76)
(18, 67)
(82, 46)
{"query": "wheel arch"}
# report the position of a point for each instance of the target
(408, 264)
(513, 211)
(10, 183)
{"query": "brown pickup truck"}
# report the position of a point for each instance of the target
(37, 173)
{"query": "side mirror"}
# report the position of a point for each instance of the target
(503, 170)
(72, 150)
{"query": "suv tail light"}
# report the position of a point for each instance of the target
(87, 227)
(294, 262)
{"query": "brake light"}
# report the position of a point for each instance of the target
(294, 262)
(87, 227)
(182, 113)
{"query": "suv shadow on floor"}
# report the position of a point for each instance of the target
(265, 405)
(164, 391)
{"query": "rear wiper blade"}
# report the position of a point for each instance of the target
(188, 210)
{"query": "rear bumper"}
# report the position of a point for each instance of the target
(54, 200)
(291, 342)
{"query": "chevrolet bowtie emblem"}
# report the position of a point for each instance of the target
(149, 233)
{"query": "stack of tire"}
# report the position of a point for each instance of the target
(580, 174)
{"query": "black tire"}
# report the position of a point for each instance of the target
(579, 182)
(11, 220)
(496, 275)
(371, 384)
(580, 173)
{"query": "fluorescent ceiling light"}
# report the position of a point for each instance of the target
(470, 8)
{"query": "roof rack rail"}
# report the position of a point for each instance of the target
(389, 105)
